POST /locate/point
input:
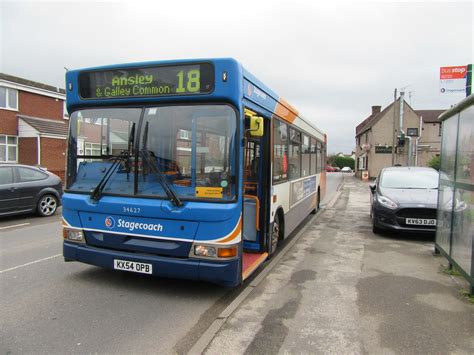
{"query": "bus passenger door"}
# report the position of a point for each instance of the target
(255, 209)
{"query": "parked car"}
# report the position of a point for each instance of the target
(404, 199)
(330, 169)
(25, 189)
(346, 169)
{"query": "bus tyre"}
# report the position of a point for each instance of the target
(276, 233)
(318, 201)
(47, 205)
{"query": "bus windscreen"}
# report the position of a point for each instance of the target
(166, 80)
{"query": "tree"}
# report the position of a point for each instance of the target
(345, 161)
(331, 160)
(435, 162)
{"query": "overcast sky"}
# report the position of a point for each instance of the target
(331, 60)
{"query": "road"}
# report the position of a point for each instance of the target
(51, 306)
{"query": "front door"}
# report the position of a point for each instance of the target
(256, 191)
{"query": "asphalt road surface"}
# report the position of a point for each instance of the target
(51, 306)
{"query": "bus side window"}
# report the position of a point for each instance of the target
(280, 151)
(313, 156)
(294, 156)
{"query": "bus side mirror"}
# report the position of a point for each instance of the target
(256, 126)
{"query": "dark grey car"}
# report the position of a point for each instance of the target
(26, 189)
(405, 199)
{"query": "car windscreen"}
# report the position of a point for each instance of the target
(409, 179)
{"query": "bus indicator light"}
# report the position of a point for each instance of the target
(227, 252)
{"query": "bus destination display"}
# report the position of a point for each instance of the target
(147, 81)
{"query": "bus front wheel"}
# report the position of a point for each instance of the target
(276, 233)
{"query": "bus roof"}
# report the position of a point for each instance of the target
(230, 82)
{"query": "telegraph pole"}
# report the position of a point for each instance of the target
(394, 125)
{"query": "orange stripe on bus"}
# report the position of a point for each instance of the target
(234, 234)
(286, 111)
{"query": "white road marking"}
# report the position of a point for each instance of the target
(15, 225)
(30, 263)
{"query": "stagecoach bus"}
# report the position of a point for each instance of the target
(187, 169)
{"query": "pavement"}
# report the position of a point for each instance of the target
(341, 289)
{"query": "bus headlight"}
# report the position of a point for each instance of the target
(73, 235)
(215, 252)
(205, 250)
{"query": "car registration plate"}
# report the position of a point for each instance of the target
(421, 221)
(132, 266)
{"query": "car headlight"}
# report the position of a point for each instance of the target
(386, 202)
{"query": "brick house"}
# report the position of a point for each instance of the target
(374, 138)
(33, 124)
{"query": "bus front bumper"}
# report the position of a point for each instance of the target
(226, 273)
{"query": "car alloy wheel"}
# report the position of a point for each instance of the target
(47, 205)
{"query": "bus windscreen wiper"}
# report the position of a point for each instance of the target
(151, 162)
(123, 156)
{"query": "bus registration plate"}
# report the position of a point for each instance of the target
(421, 221)
(132, 266)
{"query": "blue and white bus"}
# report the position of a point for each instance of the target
(186, 169)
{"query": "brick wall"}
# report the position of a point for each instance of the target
(40, 106)
(27, 151)
(53, 155)
(8, 122)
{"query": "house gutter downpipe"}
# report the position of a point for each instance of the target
(402, 132)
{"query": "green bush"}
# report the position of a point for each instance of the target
(435, 162)
(345, 161)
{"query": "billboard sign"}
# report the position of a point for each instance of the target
(452, 80)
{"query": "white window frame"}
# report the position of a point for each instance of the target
(65, 113)
(361, 164)
(7, 99)
(7, 145)
(184, 134)
(90, 147)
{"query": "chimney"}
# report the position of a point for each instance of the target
(375, 110)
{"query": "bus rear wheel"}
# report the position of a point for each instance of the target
(318, 202)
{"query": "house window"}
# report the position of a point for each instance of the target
(184, 134)
(362, 162)
(8, 148)
(8, 98)
(92, 149)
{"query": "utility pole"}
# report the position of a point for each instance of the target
(394, 126)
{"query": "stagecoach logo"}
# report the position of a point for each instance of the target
(109, 222)
(249, 90)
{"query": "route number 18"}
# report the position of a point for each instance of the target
(192, 79)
